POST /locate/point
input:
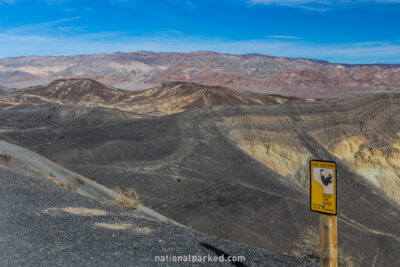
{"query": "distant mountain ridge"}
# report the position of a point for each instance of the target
(143, 70)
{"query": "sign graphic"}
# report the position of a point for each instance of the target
(323, 185)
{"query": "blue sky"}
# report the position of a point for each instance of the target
(349, 31)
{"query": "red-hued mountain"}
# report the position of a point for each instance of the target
(143, 70)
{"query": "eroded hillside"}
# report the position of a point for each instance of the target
(379, 163)
(241, 171)
(364, 133)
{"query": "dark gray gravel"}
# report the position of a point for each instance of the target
(29, 236)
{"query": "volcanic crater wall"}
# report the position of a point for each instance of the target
(364, 133)
(194, 168)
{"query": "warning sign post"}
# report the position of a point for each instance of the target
(323, 186)
(323, 199)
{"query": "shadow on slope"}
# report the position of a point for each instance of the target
(44, 224)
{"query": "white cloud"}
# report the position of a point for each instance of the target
(318, 5)
(322, 2)
(40, 27)
(56, 2)
(8, 1)
(288, 37)
(288, 2)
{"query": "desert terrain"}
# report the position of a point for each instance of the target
(225, 161)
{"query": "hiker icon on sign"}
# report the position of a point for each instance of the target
(324, 177)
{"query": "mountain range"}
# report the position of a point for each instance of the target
(143, 70)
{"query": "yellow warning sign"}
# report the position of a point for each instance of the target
(323, 186)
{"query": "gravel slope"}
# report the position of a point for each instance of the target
(43, 224)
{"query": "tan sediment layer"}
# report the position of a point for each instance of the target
(124, 226)
(76, 211)
(381, 169)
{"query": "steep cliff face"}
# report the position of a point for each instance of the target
(363, 134)
(277, 150)
(288, 162)
(380, 166)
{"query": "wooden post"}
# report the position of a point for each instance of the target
(328, 240)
